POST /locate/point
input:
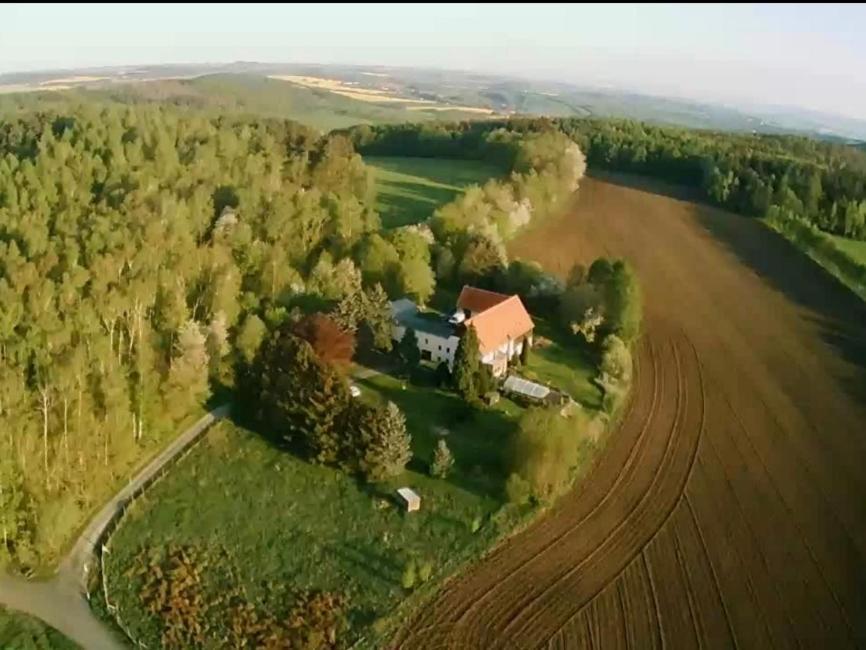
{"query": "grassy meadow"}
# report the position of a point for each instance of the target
(410, 189)
(274, 518)
(567, 367)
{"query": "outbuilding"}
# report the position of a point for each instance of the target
(410, 498)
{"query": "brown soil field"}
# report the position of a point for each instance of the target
(729, 508)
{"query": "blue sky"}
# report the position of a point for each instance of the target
(812, 56)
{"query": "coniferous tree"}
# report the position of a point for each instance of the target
(384, 444)
(442, 460)
(377, 317)
(467, 365)
(303, 399)
(408, 349)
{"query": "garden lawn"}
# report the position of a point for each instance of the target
(21, 632)
(410, 189)
(564, 365)
(281, 519)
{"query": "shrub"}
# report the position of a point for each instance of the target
(443, 460)
(518, 490)
(409, 575)
(616, 363)
(476, 524)
(425, 570)
(546, 450)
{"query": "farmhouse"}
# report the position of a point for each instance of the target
(437, 339)
(501, 323)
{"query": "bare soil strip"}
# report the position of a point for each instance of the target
(729, 509)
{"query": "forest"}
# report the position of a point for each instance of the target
(146, 252)
(821, 182)
(141, 251)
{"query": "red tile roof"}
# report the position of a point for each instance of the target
(505, 320)
(478, 300)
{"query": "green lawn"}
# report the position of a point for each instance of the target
(21, 632)
(854, 247)
(410, 189)
(275, 519)
(563, 366)
(282, 519)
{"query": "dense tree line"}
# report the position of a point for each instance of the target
(143, 253)
(602, 300)
(822, 182)
(303, 398)
(469, 234)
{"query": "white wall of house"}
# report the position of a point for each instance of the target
(507, 350)
(435, 348)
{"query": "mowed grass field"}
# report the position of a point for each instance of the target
(21, 632)
(727, 509)
(277, 518)
(410, 189)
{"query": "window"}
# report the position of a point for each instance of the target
(425, 354)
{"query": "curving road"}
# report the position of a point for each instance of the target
(61, 601)
(729, 510)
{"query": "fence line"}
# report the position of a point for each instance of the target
(101, 543)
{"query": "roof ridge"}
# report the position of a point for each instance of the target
(497, 305)
(497, 293)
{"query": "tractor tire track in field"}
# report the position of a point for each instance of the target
(729, 508)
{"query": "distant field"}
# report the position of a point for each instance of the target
(410, 189)
(316, 106)
(21, 632)
(854, 248)
(375, 95)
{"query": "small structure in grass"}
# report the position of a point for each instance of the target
(529, 392)
(525, 390)
(410, 498)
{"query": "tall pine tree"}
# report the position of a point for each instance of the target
(383, 442)
(467, 365)
(408, 348)
(377, 317)
(303, 399)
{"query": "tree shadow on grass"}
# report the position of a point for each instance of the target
(243, 416)
(406, 203)
(383, 566)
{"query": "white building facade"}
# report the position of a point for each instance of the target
(436, 339)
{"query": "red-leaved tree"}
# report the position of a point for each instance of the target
(330, 343)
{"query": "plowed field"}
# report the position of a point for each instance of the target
(729, 509)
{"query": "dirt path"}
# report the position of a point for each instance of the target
(61, 601)
(730, 508)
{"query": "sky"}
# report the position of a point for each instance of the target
(804, 55)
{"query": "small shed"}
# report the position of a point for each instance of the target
(410, 498)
